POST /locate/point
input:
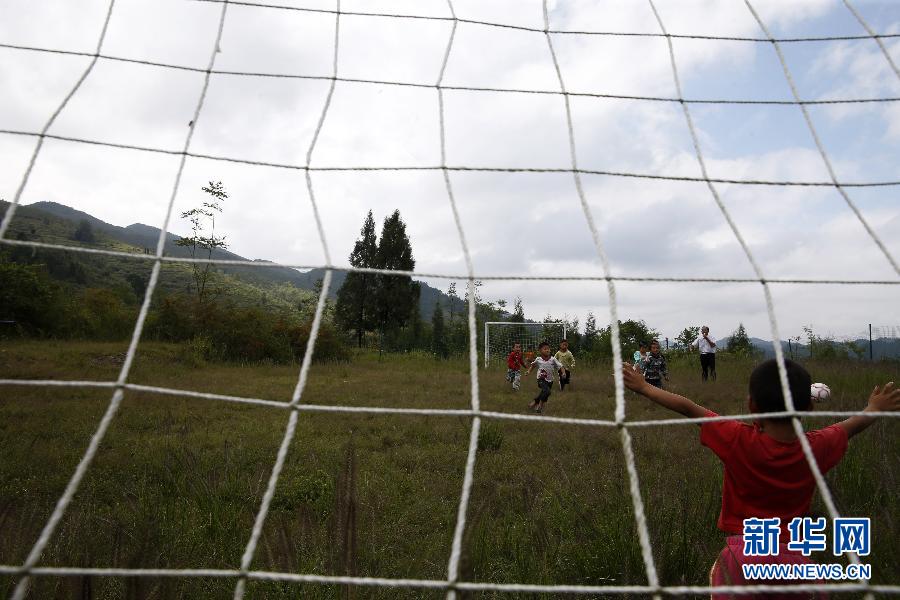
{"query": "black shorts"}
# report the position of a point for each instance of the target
(655, 382)
(546, 387)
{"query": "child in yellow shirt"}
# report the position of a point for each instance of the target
(564, 356)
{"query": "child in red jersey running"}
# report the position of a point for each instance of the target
(766, 474)
(514, 363)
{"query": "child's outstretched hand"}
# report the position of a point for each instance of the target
(884, 399)
(633, 379)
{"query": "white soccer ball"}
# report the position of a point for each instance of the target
(819, 392)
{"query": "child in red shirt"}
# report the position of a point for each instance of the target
(765, 471)
(514, 362)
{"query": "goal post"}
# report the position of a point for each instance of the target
(499, 336)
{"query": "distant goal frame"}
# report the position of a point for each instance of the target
(487, 348)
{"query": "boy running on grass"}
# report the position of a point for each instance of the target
(565, 357)
(546, 365)
(514, 362)
(766, 474)
(655, 368)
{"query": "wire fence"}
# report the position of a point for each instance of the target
(451, 584)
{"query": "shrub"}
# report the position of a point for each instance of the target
(330, 345)
(30, 298)
(104, 315)
(195, 352)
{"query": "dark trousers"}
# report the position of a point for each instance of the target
(655, 382)
(546, 388)
(565, 379)
(708, 364)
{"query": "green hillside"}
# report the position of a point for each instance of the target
(56, 223)
(49, 222)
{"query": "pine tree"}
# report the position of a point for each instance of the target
(438, 341)
(356, 301)
(395, 295)
(739, 343)
(84, 232)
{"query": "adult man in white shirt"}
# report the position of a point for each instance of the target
(707, 345)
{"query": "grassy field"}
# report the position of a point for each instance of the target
(177, 482)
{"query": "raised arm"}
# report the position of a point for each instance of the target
(635, 382)
(882, 399)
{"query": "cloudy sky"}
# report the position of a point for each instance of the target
(515, 223)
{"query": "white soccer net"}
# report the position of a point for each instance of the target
(241, 573)
(499, 337)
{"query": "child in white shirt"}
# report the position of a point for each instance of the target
(546, 365)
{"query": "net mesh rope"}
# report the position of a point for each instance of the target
(499, 338)
(29, 568)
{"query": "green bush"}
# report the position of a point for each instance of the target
(330, 345)
(104, 315)
(195, 352)
(31, 298)
(241, 334)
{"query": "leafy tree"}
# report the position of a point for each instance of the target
(477, 286)
(590, 332)
(739, 343)
(631, 333)
(823, 346)
(395, 295)
(858, 350)
(84, 232)
(438, 341)
(573, 334)
(517, 333)
(356, 302)
(549, 332)
(203, 240)
(687, 336)
(29, 297)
